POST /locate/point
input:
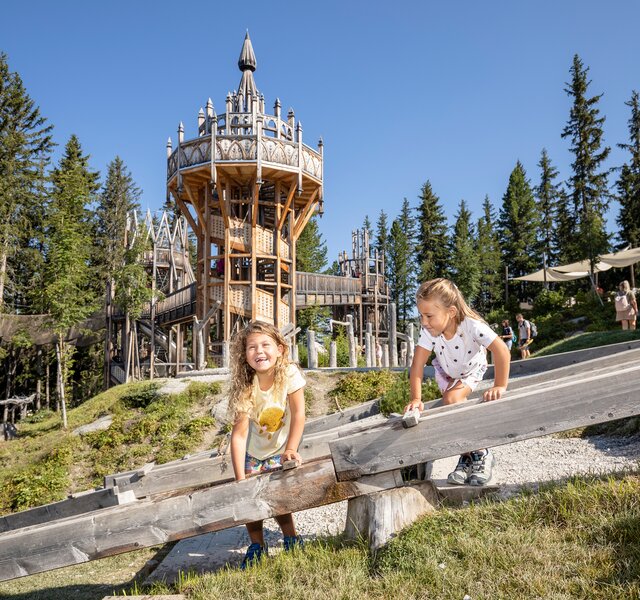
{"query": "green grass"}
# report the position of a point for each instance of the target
(587, 340)
(576, 540)
(46, 463)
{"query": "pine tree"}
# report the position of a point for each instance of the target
(465, 267)
(68, 290)
(433, 256)
(489, 260)
(547, 194)
(25, 146)
(311, 257)
(401, 262)
(118, 199)
(588, 184)
(518, 225)
(628, 184)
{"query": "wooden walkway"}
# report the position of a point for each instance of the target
(345, 457)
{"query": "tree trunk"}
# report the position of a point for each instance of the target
(47, 386)
(60, 355)
(38, 398)
(3, 269)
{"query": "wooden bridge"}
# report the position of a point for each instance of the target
(347, 455)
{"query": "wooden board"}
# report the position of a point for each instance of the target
(150, 522)
(610, 395)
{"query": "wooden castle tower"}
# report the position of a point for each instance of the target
(247, 185)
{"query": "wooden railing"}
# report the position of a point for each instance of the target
(336, 284)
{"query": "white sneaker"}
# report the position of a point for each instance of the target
(481, 467)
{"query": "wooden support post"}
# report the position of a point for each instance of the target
(385, 356)
(333, 355)
(393, 340)
(312, 357)
(351, 340)
(378, 517)
(411, 344)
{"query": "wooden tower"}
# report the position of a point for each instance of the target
(247, 185)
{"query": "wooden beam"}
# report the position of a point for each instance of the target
(526, 414)
(307, 212)
(287, 204)
(151, 522)
(186, 212)
(222, 204)
(194, 203)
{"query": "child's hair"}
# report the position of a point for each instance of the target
(447, 294)
(624, 287)
(242, 374)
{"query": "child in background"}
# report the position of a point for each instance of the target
(266, 405)
(460, 338)
(507, 334)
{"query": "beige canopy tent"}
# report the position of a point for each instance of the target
(576, 270)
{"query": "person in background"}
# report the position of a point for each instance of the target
(524, 336)
(507, 334)
(626, 306)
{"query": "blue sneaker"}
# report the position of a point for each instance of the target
(291, 542)
(255, 552)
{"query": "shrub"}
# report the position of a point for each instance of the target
(399, 394)
(356, 388)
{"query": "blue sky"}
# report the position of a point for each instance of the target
(452, 92)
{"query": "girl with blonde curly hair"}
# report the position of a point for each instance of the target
(266, 405)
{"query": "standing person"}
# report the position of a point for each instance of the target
(460, 339)
(507, 334)
(524, 336)
(626, 306)
(267, 407)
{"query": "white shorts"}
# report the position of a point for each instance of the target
(445, 382)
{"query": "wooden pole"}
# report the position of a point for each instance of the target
(393, 339)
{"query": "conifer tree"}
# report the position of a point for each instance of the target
(368, 227)
(311, 257)
(588, 184)
(402, 264)
(118, 199)
(465, 267)
(68, 290)
(433, 257)
(547, 194)
(518, 225)
(25, 146)
(489, 260)
(628, 184)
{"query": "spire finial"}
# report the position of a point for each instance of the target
(247, 60)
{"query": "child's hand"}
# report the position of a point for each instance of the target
(414, 404)
(291, 455)
(494, 393)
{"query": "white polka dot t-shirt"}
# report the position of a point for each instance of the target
(463, 357)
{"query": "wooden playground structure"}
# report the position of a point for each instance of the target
(246, 186)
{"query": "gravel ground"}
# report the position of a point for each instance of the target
(525, 463)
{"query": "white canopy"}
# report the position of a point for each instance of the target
(576, 270)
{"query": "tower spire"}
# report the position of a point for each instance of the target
(247, 63)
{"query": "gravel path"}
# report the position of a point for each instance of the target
(525, 463)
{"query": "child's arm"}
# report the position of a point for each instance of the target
(239, 435)
(296, 406)
(420, 357)
(501, 365)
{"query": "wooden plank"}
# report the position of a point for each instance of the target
(543, 364)
(151, 522)
(566, 405)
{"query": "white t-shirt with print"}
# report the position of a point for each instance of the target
(270, 420)
(465, 353)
